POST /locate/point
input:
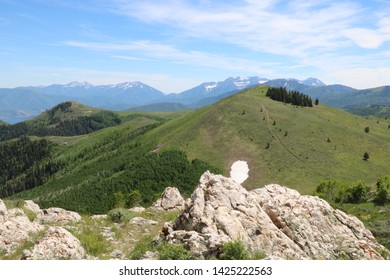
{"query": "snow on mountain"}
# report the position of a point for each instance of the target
(313, 82)
(78, 84)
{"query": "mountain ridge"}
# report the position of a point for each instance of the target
(22, 103)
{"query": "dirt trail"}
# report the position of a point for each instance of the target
(275, 136)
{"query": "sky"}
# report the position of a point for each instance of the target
(175, 45)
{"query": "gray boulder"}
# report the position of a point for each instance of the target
(56, 244)
(274, 220)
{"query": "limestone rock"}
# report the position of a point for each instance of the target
(56, 244)
(273, 220)
(171, 199)
(139, 221)
(57, 215)
(319, 230)
(98, 217)
(15, 228)
(32, 206)
(137, 209)
(3, 208)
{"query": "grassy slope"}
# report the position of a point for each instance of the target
(240, 126)
(62, 112)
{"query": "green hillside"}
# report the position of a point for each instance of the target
(282, 143)
(65, 119)
(285, 144)
(65, 111)
(382, 111)
(99, 168)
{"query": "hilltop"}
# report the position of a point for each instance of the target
(65, 119)
(281, 142)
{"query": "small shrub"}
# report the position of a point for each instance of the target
(234, 250)
(169, 251)
(120, 200)
(383, 190)
(120, 215)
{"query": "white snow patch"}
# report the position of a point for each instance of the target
(239, 171)
(210, 87)
(241, 84)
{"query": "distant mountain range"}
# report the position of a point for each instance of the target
(18, 104)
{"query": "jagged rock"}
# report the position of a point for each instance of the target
(318, 229)
(57, 215)
(3, 208)
(139, 221)
(32, 206)
(56, 244)
(274, 220)
(108, 234)
(15, 228)
(171, 199)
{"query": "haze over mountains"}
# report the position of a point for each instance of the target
(22, 103)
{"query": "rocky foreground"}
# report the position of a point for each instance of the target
(275, 221)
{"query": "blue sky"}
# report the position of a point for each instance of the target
(175, 45)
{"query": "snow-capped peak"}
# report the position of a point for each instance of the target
(313, 82)
(78, 84)
(209, 86)
(127, 85)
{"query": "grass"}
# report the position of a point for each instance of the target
(27, 244)
(375, 218)
(221, 133)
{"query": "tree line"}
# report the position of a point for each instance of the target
(25, 164)
(141, 182)
(78, 126)
(291, 97)
(356, 192)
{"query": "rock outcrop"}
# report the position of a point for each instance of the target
(15, 228)
(274, 220)
(58, 215)
(56, 244)
(171, 199)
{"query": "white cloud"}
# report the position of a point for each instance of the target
(270, 26)
(153, 50)
(361, 77)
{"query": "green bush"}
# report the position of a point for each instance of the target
(343, 193)
(169, 251)
(383, 190)
(119, 215)
(234, 250)
(353, 193)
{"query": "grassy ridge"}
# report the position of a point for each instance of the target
(284, 144)
(114, 160)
